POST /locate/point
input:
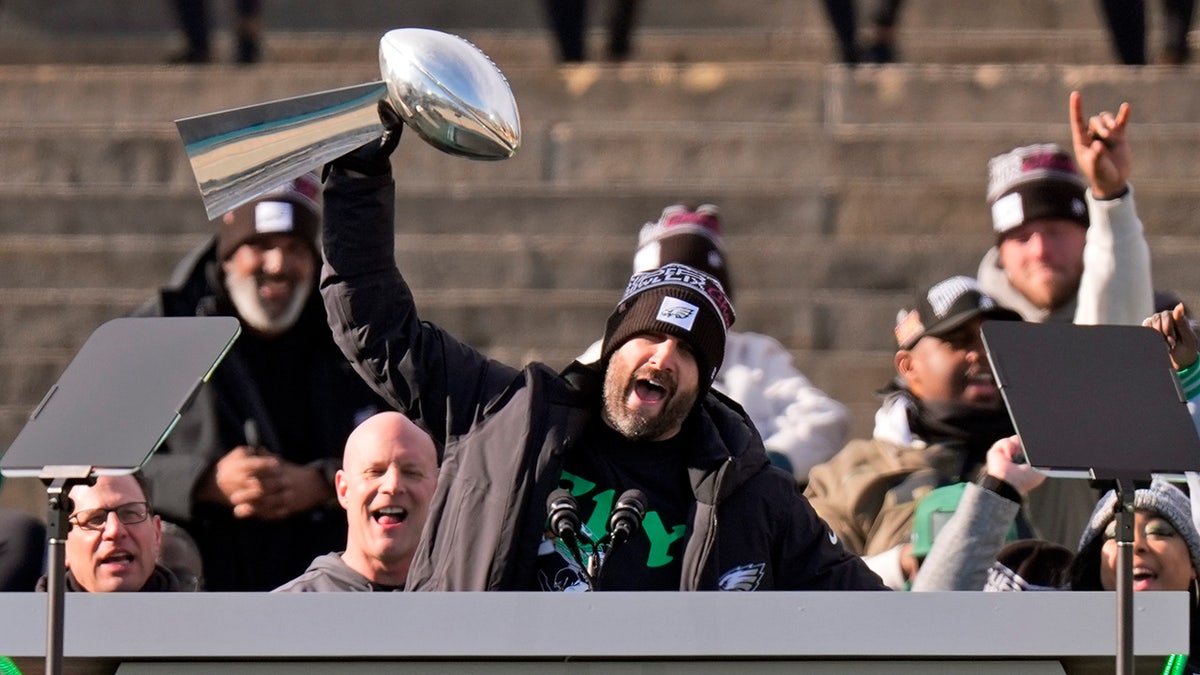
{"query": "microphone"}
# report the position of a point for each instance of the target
(563, 514)
(626, 518)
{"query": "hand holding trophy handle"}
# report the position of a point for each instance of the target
(443, 87)
(373, 158)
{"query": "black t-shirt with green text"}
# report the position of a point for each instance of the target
(597, 471)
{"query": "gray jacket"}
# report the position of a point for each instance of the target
(330, 573)
(968, 543)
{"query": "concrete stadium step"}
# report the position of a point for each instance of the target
(514, 48)
(127, 96)
(715, 152)
(699, 153)
(851, 207)
(115, 16)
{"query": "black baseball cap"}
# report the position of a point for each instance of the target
(944, 307)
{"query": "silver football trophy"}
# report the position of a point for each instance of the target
(443, 87)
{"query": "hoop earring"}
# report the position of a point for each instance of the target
(1194, 592)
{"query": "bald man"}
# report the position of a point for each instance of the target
(387, 478)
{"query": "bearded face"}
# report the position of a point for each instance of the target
(269, 279)
(650, 387)
(1044, 260)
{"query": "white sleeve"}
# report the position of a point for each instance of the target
(887, 566)
(1116, 286)
(794, 417)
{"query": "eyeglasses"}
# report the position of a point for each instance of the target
(129, 513)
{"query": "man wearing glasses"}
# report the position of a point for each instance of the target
(114, 540)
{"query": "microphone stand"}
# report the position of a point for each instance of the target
(623, 523)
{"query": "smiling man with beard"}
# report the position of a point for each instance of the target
(718, 515)
(249, 470)
(940, 414)
(387, 478)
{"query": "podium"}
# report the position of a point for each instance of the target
(770, 632)
(111, 408)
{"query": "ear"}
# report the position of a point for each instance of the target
(340, 487)
(1001, 253)
(903, 362)
(906, 368)
(157, 533)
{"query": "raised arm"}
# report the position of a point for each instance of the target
(968, 543)
(416, 366)
(1116, 286)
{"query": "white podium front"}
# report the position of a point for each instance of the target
(668, 633)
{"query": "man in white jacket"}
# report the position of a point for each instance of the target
(1070, 247)
(801, 426)
(1069, 250)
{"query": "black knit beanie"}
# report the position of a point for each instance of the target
(293, 209)
(1035, 182)
(674, 300)
(688, 236)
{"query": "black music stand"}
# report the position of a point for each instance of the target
(1101, 403)
(109, 411)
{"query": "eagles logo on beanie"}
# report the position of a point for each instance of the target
(1034, 182)
(293, 208)
(679, 301)
(684, 235)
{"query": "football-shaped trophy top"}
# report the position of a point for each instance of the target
(443, 87)
(450, 93)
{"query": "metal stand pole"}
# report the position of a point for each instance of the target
(1125, 524)
(59, 481)
(59, 512)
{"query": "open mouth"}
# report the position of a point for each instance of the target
(390, 515)
(117, 558)
(981, 383)
(1143, 578)
(274, 288)
(650, 390)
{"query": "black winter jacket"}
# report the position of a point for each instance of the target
(504, 434)
(326, 401)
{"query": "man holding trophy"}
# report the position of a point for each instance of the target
(719, 516)
(517, 444)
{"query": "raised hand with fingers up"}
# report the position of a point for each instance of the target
(1101, 148)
